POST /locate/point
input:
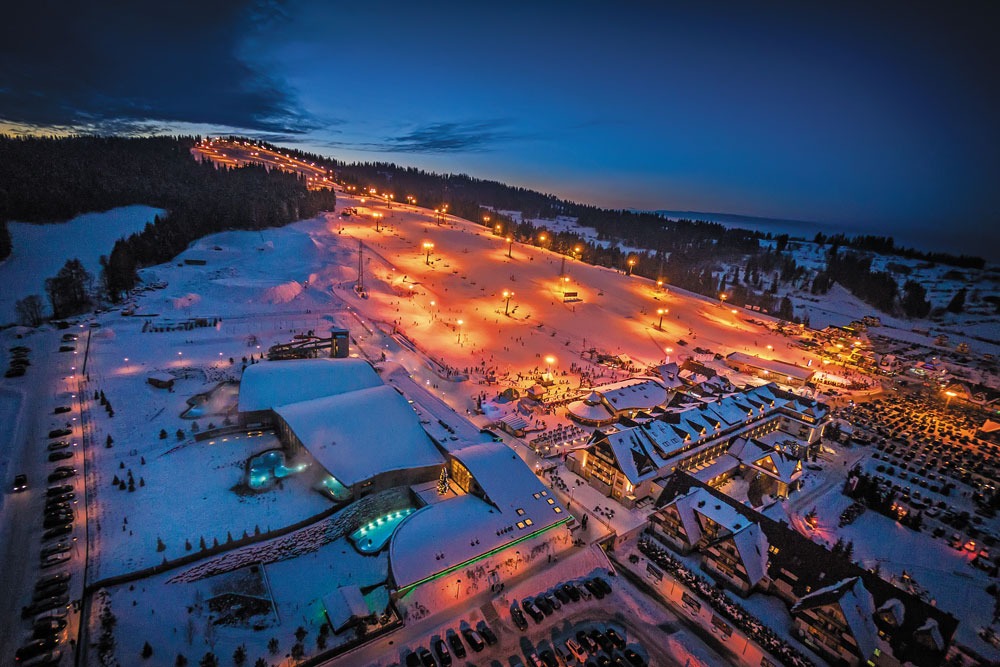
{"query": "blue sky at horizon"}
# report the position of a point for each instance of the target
(874, 117)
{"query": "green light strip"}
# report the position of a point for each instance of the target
(406, 589)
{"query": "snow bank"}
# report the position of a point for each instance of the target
(282, 293)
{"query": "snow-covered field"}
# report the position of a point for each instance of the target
(39, 251)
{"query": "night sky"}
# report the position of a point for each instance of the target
(876, 119)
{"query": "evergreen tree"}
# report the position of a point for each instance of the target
(957, 303)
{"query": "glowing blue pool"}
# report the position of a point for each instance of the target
(269, 466)
(371, 537)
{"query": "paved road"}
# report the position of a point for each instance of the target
(46, 385)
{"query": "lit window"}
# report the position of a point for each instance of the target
(520, 524)
(537, 495)
(550, 501)
(558, 510)
(528, 522)
(520, 511)
(545, 493)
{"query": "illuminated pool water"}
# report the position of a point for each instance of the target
(371, 537)
(269, 466)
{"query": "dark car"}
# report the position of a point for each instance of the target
(560, 594)
(53, 579)
(58, 490)
(603, 660)
(518, 617)
(548, 597)
(14, 372)
(616, 639)
(61, 588)
(34, 649)
(634, 658)
(42, 606)
(571, 591)
(46, 627)
(58, 507)
(601, 640)
(473, 639)
(57, 445)
(456, 644)
(61, 409)
(487, 632)
(549, 658)
(412, 660)
(20, 483)
(61, 473)
(57, 520)
(426, 659)
(67, 348)
(50, 659)
(441, 651)
(605, 586)
(543, 603)
(54, 559)
(595, 590)
(61, 498)
(58, 531)
(585, 641)
(60, 456)
(58, 548)
(533, 611)
(59, 432)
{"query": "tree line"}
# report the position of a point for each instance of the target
(54, 179)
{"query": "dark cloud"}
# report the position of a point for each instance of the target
(121, 66)
(445, 137)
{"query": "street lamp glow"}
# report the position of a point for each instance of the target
(510, 248)
(507, 294)
(428, 246)
(460, 332)
(661, 312)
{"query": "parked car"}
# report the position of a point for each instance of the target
(60, 409)
(58, 548)
(571, 591)
(61, 588)
(426, 659)
(58, 490)
(57, 520)
(595, 590)
(473, 639)
(61, 473)
(53, 579)
(533, 611)
(34, 649)
(548, 597)
(57, 445)
(543, 603)
(456, 644)
(518, 617)
(42, 606)
(45, 627)
(441, 650)
(605, 586)
(412, 659)
(616, 639)
(59, 432)
(577, 651)
(60, 456)
(55, 559)
(487, 632)
(634, 658)
(560, 594)
(20, 483)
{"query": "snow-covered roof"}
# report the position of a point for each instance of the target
(720, 466)
(779, 368)
(360, 434)
(634, 394)
(751, 543)
(344, 605)
(446, 534)
(272, 383)
(515, 422)
(586, 411)
(856, 605)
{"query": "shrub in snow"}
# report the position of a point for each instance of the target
(142, 481)
(320, 642)
(160, 546)
(300, 633)
(147, 651)
(210, 426)
(272, 646)
(121, 465)
(187, 545)
(209, 660)
(201, 544)
(240, 655)
(115, 481)
(298, 651)
(163, 435)
(121, 485)
(109, 441)
(194, 427)
(261, 662)
(142, 459)
(180, 434)
(181, 661)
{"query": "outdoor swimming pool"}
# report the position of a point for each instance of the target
(371, 537)
(269, 466)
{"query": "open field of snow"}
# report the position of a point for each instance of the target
(41, 250)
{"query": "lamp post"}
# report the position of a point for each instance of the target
(668, 351)
(507, 294)
(510, 248)
(661, 312)
(459, 332)
(722, 299)
(486, 221)
(631, 263)
(377, 216)
(950, 395)
(458, 584)
(428, 246)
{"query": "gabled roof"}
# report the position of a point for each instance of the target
(751, 544)
(855, 604)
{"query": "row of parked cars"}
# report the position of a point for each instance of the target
(50, 598)
(590, 648)
(478, 638)
(19, 362)
(547, 603)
